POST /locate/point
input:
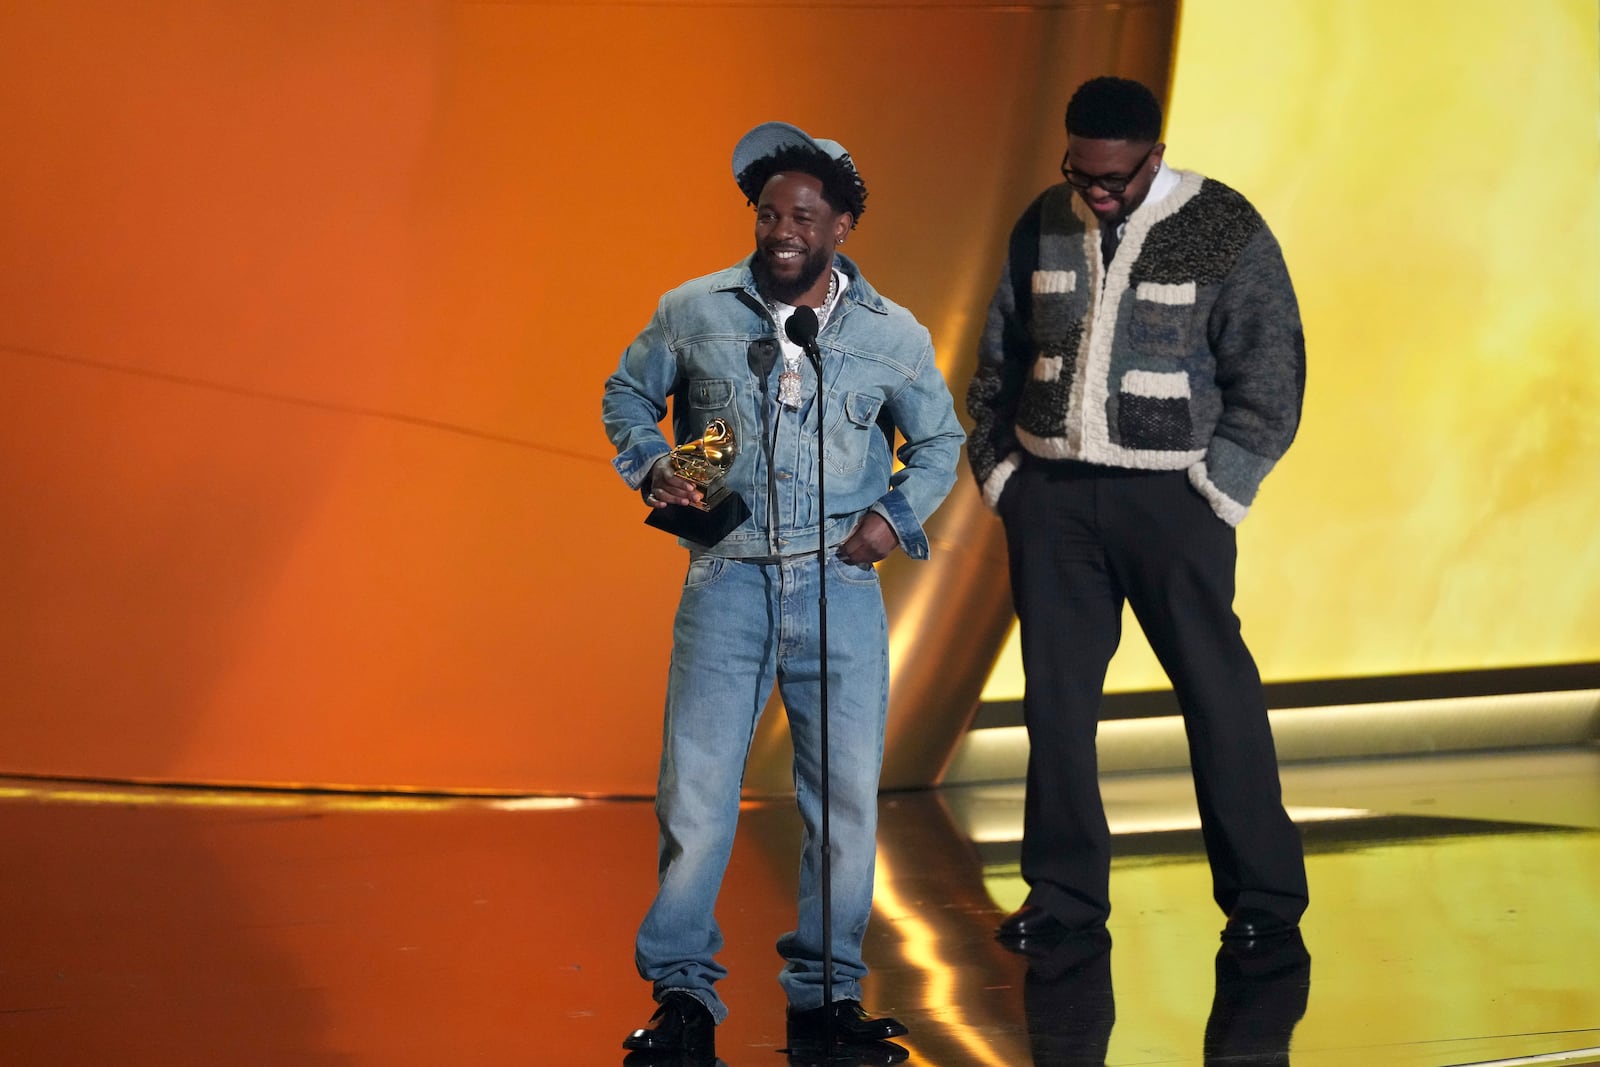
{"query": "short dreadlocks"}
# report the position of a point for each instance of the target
(842, 187)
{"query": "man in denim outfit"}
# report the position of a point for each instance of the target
(748, 616)
(1141, 371)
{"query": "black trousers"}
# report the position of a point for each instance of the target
(1082, 540)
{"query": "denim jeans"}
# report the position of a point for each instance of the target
(741, 625)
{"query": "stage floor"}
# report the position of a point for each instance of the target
(1455, 920)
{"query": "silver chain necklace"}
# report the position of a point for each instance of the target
(789, 381)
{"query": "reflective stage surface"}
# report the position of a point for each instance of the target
(1454, 921)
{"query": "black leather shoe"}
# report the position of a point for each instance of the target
(681, 1024)
(1255, 924)
(851, 1024)
(1028, 922)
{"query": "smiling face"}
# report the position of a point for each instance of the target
(796, 232)
(1112, 177)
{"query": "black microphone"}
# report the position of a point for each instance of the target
(802, 330)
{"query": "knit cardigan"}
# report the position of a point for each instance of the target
(1186, 354)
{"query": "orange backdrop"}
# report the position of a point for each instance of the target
(304, 312)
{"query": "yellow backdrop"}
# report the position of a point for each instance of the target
(1432, 171)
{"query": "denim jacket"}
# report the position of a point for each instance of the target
(880, 374)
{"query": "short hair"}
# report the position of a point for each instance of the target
(842, 187)
(1114, 109)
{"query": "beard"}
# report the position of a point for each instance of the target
(812, 266)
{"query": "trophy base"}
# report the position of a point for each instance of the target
(704, 526)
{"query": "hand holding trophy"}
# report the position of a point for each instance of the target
(704, 462)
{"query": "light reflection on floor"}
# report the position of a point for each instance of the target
(1455, 920)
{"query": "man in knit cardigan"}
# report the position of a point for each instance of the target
(1141, 370)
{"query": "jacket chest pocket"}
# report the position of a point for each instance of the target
(852, 427)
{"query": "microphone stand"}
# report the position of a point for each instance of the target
(802, 329)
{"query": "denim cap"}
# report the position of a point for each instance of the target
(768, 137)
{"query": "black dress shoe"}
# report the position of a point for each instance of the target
(681, 1024)
(1256, 924)
(1028, 922)
(851, 1024)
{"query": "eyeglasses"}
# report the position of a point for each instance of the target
(1111, 183)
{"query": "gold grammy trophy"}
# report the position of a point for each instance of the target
(705, 462)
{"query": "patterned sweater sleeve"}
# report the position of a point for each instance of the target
(1005, 354)
(1259, 344)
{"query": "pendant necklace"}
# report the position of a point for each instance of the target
(789, 380)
